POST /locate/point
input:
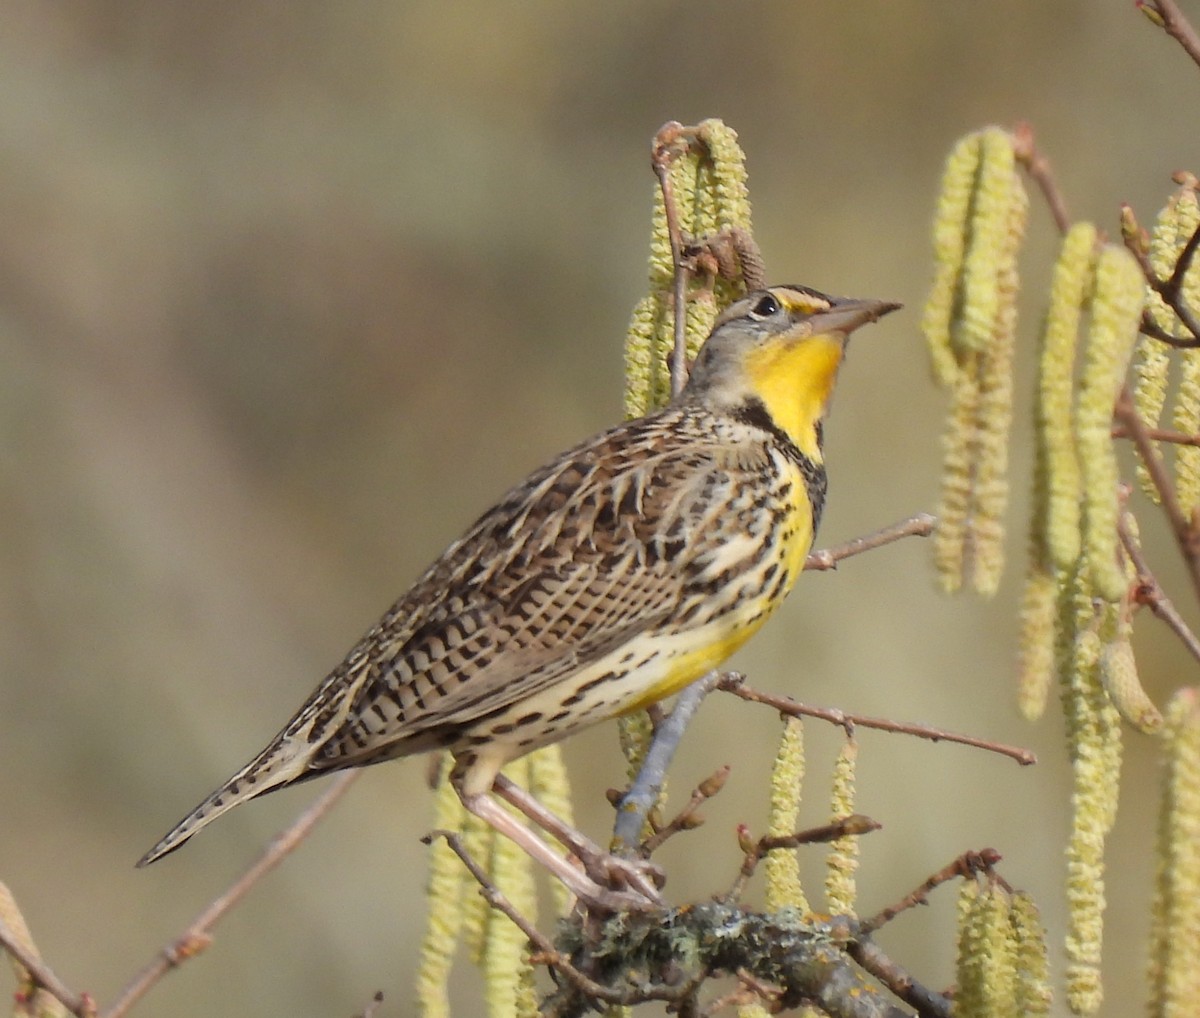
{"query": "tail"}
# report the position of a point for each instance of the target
(276, 766)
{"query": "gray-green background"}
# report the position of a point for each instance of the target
(288, 293)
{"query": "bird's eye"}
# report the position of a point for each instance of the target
(767, 305)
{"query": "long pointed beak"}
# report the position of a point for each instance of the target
(847, 314)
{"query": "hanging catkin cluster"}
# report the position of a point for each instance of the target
(1002, 965)
(1174, 968)
(1074, 535)
(969, 325)
(459, 914)
(1075, 616)
(1174, 227)
(708, 181)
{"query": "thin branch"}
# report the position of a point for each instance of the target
(643, 793)
(965, 866)
(753, 852)
(928, 1003)
(1167, 15)
(1159, 435)
(1038, 168)
(197, 936)
(1185, 535)
(43, 977)
(1150, 593)
(1170, 290)
(733, 683)
(688, 818)
(921, 525)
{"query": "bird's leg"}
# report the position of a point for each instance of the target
(639, 875)
(580, 884)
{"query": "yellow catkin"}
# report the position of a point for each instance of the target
(1035, 656)
(1119, 674)
(505, 961)
(1172, 228)
(1174, 963)
(527, 997)
(998, 968)
(990, 220)
(841, 865)
(958, 467)
(970, 322)
(1150, 371)
(1034, 995)
(1094, 741)
(445, 890)
(647, 364)
(708, 182)
(1118, 666)
(1185, 414)
(731, 196)
(1185, 417)
(1116, 307)
(1054, 538)
(783, 867)
(1035, 644)
(996, 404)
(968, 996)
(1055, 437)
(949, 247)
(548, 783)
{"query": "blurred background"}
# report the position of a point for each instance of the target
(289, 293)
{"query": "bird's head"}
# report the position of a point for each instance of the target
(780, 348)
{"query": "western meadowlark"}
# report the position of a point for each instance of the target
(607, 580)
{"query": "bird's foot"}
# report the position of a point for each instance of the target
(637, 876)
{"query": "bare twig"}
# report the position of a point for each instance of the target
(1169, 289)
(966, 865)
(687, 818)
(1150, 593)
(733, 683)
(928, 1003)
(1159, 435)
(1038, 168)
(1167, 15)
(43, 976)
(643, 793)
(920, 525)
(197, 937)
(1185, 535)
(753, 852)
